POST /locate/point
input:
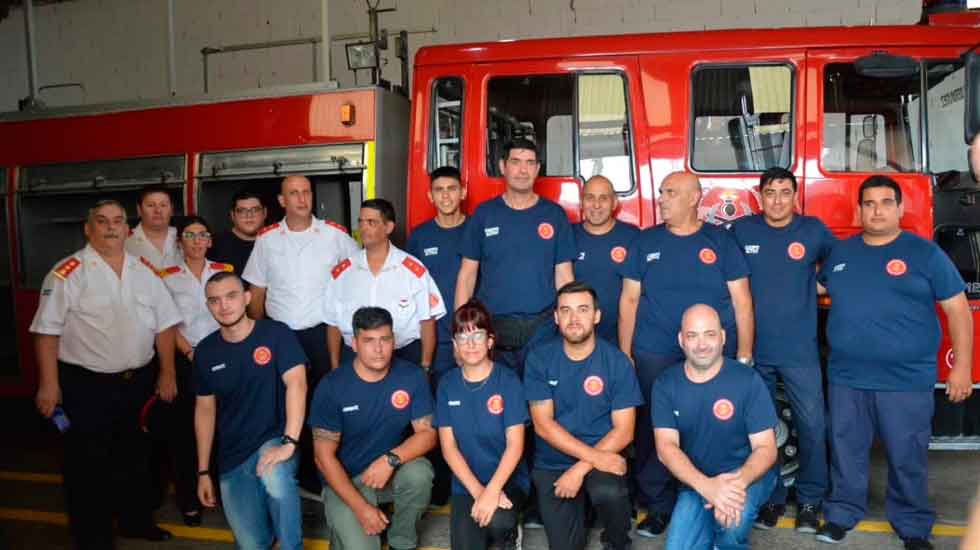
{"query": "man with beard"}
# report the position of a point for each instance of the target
(235, 245)
(583, 396)
(714, 429)
(153, 239)
(101, 312)
(244, 373)
(602, 243)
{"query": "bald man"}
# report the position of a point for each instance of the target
(714, 426)
(671, 267)
(603, 243)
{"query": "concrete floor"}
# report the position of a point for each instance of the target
(31, 506)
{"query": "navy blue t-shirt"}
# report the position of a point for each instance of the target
(677, 272)
(783, 261)
(372, 417)
(246, 380)
(585, 394)
(439, 250)
(518, 251)
(600, 263)
(479, 414)
(714, 418)
(883, 329)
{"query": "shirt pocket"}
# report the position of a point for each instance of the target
(97, 310)
(145, 312)
(404, 313)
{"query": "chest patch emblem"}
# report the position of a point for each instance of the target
(495, 404)
(723, 409)
(262, 356)
(896, 268)
(400, 399)
(796, 250)
(618, 254)
(546, 231)
(593, 385)
(707, 256)
(432, 251)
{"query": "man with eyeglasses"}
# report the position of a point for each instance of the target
(235, 245)
(289, 268)
(382, 275)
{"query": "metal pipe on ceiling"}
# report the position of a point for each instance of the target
(31, 53)
(325, 74)
(171, 55)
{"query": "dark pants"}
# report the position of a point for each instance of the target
(177, 433)
(564, 518)
(106, 454)
(445, 359)
(466, 534)
(656, 487)
(804, 388)
(411, 352)
(903, 423)
(314, 343)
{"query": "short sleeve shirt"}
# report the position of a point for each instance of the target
(246, 380)
(229, 249)
(882, 327)
(403, 287)
(188, 293)
(479, 414)
(106, 323)
(372, 417)
(140, 246)
(784, 261)
(439, 250)
(585, 393)
(518, 251)
(600, 263)
(676, 272)
(294, 267)
(715, 418)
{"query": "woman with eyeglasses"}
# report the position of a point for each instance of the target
(186, 284)
(480, 415)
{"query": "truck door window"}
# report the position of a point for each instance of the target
(944, 106)
(539, 108)
(447, 123)
(604, 130)
(870, 124)
(743, 118)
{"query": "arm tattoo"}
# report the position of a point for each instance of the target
(424, 423)
(326, 435)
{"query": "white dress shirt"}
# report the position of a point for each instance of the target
(188, 293)
(138, 244)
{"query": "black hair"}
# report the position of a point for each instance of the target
(370, 318)
(776, 173)
(151, 189)
(445, 172)
(222, 275)
(519, 143)
(245, 194)
(187, 221)
(880, 181)
(575, 287)
(381, 205)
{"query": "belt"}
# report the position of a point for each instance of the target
(125, 375)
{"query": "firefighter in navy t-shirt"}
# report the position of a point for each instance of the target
(884, 336)
(359, 418)
(251, 392)
(714, 428)
(583, 396)
(602, 243)
(671, 267)
(521, 246)
(783, 251)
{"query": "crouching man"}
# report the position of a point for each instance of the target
(714, 430)
(359, 416)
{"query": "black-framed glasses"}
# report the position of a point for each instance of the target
(190, 235)
(252, 211)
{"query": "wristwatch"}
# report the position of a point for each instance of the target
(393, 460)
(747, 361)
(286, 439)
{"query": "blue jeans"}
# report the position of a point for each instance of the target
(263, 509)
(692, 527)
(804, 388)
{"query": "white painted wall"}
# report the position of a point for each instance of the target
(117, 48)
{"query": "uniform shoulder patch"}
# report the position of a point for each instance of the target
(170, 270)
(336, 226)
(413, 266)
(340, 268)
(218, 266)
(152, 267)
(268, 228)
(65, 269)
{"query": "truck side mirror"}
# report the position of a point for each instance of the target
(971, 110)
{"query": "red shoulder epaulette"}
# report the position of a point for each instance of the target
(268, 228)
(218, 266)
(65, 269)
(340, 268)
(150, 265)
(337, 226)
(170, 270)
(413, 266)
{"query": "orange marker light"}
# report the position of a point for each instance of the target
(347, 114)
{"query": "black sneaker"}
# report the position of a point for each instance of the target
(917, 544)
(769, 516)
(831, 533)
(807, 518)
(532, 519)
(653, 525)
